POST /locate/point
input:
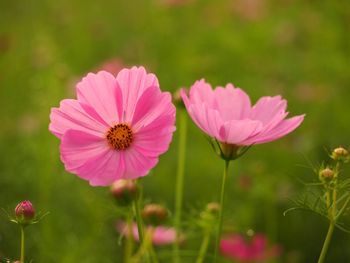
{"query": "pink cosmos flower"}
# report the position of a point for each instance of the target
(160, 235)
(236, 247)
(116, 128)
(227, 115)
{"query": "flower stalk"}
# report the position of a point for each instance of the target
(22, 243)
(222, 201)
(180, 181)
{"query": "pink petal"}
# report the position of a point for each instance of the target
(164, 235)
(154, 139)
(137, 164)
(104, 169)
(235, 132)
(232, 103)
(101, 92)
(207, 119)
(150, 106)
(201, 92)
(77, 147)
(267, 107)
(133, 82)
(282, 129)
(71, 115)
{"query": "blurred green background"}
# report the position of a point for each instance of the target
(297, 48)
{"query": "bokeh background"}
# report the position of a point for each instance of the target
(297, 48)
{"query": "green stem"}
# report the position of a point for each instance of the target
(129, 240)
(332, 213)
(204, 247)
(222, 200)
(22, 244)
(151, 248)
(180, 181)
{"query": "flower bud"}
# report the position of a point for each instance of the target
(213, 208)
(154, 214)
(177, 97)
(25, 212)
(326, 174)
(17, 261)
(340, 154)
(124, 191)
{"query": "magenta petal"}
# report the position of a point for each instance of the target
(137, 164)
(77, 147)
(133, 82)
(104, 169)
(71, 115)
(100, 92)
(155, 138)
(150, 106)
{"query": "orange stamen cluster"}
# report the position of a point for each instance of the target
(120, 136)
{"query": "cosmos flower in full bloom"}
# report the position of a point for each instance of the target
(116, 128)
(227, 115)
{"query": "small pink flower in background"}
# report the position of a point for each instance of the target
(112, 66)
(236, 247)
(116, 128)
(160, 235)
(227, 115)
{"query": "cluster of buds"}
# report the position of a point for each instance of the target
(340, 154)
(154, 214)
(25, 213)
(124, 191)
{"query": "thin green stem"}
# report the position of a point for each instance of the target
(151, 248)
(129, 240)
(180, 181)
(204, 247)
(221, 211)
(332, 214)
(22, 244)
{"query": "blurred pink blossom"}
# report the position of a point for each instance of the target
(116, 128)
(160, 235)
(236, 247)
(227, 115)
(113, 66)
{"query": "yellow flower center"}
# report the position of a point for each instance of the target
(120, 136)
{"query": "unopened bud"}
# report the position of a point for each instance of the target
(25, 212)
(17, 261)
(154, 214)
(326, 174)
(340, 154)
(177, 97)
(124, 191)
(213, 208)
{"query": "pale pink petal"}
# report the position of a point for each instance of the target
(78, 146)
(267, 107)
(101, 92)
(235, 132)
(282, 129)
(233, 103)
(207, 119)
(201, 92)
(164, 236)
(160, 235)
(137, 164)
(133, 82)
(71, 115)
